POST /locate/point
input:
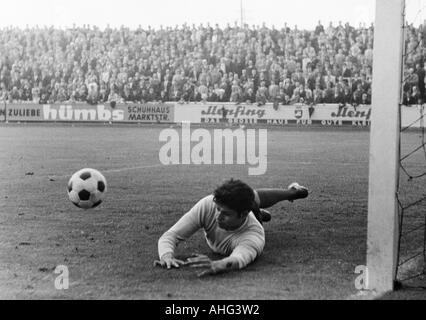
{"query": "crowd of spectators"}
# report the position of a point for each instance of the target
(258, 64)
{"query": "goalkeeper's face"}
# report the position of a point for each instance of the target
(227, 218)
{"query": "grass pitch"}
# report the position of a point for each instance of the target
(312, 246)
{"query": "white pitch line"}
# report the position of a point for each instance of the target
(300, 163)
(135, 168)
(114, 170)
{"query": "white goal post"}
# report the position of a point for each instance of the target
(382, 234)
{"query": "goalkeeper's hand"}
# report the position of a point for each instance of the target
(210, 267)
(203, 262)
(168, 261)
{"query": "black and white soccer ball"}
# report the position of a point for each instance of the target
(86, 188)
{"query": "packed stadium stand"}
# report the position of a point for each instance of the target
(257, 64)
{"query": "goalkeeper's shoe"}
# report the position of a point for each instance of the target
(300, 191)
(265, 215)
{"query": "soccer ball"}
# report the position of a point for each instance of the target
(86, 188)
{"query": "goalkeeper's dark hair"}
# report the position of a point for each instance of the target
(235, 194)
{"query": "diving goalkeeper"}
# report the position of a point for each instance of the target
(232, 220)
